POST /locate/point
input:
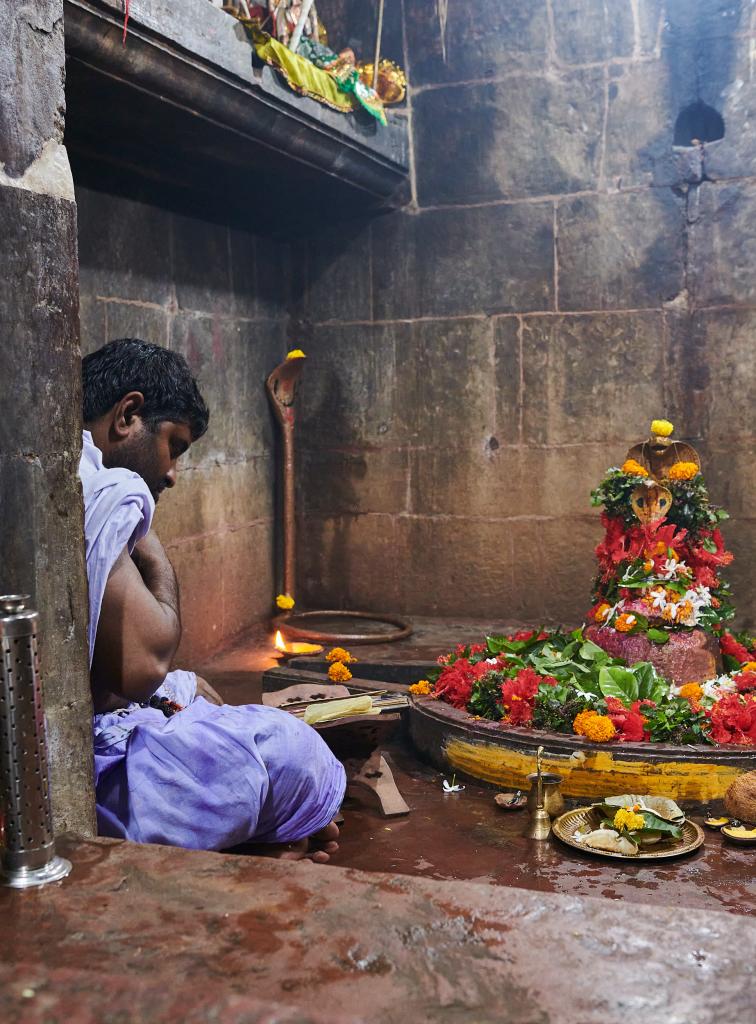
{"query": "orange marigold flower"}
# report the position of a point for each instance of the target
(625, 622)
(602, 611)
(581, 719)
(749, 666)
(691, 692)
(421, 688)
(633, 468)
(683, 471)
(648, 565)
(599, 729)
(340, 654)
(339, 673)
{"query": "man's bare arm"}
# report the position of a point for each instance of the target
(140, 624)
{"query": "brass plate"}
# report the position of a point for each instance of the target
(566, 826)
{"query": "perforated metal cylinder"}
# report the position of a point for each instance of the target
(28, 849)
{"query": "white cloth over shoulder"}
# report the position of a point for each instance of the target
(118, 511)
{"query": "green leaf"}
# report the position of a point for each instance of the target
(497, 644)
(615, 681)
(592, 652)
(709, 545)
(658, 636)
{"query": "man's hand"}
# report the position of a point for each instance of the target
(204, 689)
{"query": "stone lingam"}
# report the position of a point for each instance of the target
(653, 694)
(658, 593)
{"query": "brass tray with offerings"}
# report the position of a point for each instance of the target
(660, 838)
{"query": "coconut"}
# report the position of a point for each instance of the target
(740, 798)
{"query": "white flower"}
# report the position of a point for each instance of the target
(659, 598)
(669, 569)
(704, 596)
(714, 689)
(491, 661)
(453, 786)
(671, 610)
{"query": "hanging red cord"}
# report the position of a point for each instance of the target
(125, 20)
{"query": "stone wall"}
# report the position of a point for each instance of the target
(41, 540)
(219, 296)
(563, 275)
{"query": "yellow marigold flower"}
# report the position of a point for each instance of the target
(633, 468)
(339, 673)
(599, 729)
(340, 654)
(670, 613)
(625, 622)
(421, 688)
(628, 819)
(662, 428)
(683, 471)
(602, 611)
(296, 353)
(581, 719)
(648, 565)
(749, 666)
(285, 602)
(690, 691)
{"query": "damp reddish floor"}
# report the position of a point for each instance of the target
(465, 836)
(448, 915)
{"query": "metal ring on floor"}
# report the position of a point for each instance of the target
(288, 624)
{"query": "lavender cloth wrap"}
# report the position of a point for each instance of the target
(209, 777)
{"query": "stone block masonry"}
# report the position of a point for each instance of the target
(563, 274)
(41, 540)
(218, 296)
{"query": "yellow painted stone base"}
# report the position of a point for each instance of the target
(600, 774)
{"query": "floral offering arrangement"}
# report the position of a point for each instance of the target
(658, 580)
(631, 822)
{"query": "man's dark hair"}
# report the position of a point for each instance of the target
(128, 364)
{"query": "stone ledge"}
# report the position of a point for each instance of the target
(184, 100)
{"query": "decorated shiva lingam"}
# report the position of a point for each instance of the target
(658, 593)
(540, 822)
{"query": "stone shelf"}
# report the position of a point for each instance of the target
(184, 114)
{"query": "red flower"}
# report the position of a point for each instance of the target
(518, 695)
(527, 634)
(729, 645)
(706, 577)
(629, 723)
(745, 681)
(733, 719)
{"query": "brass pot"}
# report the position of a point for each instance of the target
(553, 801)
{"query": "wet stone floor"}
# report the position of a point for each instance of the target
(466, 836)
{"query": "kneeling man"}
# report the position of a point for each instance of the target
(173, 764)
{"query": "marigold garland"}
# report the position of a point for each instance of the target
(683, 471)
(339, 673)
(633, 468)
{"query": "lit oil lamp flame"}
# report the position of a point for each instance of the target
(293, 650)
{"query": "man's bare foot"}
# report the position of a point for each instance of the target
(318, 848)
